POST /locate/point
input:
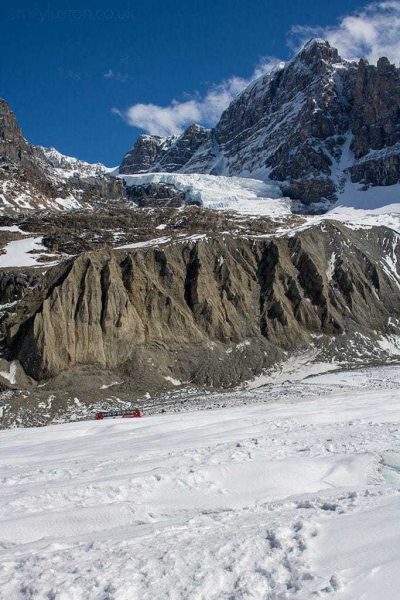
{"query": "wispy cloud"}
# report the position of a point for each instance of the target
(117, 75)
(205, 109)
(369, 33)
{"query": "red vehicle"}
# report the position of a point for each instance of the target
(113, 414)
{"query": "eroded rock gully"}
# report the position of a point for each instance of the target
(214, 311)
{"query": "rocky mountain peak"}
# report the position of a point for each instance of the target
(143, 154)
(194, 129)
(317, 49)
(155, 153)
(384, 65)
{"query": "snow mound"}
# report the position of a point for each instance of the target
(22, 253)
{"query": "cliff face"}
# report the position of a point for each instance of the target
(214, 311)
(313, 125)
(376, 107)
(13, 146)
(376, 124)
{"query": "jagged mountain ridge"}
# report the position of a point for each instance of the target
(153, 152)
(314, 125)
(35, 177)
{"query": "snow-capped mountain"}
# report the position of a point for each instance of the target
(68, 166)
(35, 177)
(323, 127)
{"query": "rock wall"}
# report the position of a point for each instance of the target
(214, 311)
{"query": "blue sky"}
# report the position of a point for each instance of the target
(64, 66)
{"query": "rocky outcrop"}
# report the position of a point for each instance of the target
(156, 195)
(184, 148)
(313, 125)
(376, 124)
(17, 157)
(14, 285)
(13, 146)
(378, 168)
(375, 107)
(214, 311)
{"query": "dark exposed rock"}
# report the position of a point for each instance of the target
(375, 111)
(378, 168)
(183, 149)
(143, 155)
(14, 149)
(14, 285)
(156, 195)
(13, 146)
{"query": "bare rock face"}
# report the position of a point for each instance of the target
(17, 157)
(184, 148)
(13, 146)
(376, 107)
(143, 155)
(214, 311)
(312, 125)
(14, 285)
(376, 124)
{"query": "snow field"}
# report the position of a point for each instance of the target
(283, 500)
(19, 253)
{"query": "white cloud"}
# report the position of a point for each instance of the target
(369, 33)
(162, 120)
(206, 109)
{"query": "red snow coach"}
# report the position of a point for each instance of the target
(114, 414)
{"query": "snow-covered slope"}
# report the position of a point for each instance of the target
(68, 166)
(288, 500)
